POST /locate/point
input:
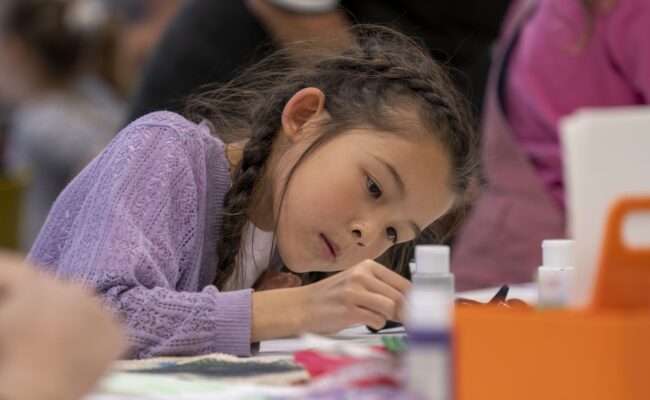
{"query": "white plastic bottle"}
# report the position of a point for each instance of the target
(555, 277)
(429, 323)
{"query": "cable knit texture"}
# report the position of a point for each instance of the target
(139, 226)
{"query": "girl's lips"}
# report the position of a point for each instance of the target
(330, 249)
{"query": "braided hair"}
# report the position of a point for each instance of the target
(365, 85)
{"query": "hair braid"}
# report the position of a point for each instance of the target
(237, 203)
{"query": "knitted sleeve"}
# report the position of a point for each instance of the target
(137, 233)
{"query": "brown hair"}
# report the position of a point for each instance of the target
(383, 71)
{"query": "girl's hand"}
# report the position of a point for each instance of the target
(367, 293)
(276, 280)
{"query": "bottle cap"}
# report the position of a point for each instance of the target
(432, 259)
(558, 253)
(412, 267)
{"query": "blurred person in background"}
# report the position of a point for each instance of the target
(67, 68)
(56, 340)
(138, 25)
(208, 41)
(63, 110)
(555, 57)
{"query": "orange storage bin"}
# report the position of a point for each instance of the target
(601, 352)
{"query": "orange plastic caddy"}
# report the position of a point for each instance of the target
(600, 352)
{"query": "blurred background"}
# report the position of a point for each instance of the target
(74, 72)
(68, 70)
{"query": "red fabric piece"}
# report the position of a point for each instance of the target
(317, 364)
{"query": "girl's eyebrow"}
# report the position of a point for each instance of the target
(401, 187)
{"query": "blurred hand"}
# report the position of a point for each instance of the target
(55, 340)
(329, 29)
(367, 293)
(276, 280)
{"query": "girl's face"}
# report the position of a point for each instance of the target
(356, 195)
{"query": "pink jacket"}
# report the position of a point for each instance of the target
(500, 240)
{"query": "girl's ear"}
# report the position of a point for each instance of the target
(306, 105)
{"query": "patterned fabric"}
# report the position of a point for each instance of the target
(219, 368)
(139, 226)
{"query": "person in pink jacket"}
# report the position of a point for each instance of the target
(554, 58)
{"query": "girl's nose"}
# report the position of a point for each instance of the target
(366, 233)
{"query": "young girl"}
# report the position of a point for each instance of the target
(343, 156)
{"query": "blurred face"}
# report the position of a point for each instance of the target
(356, 195)
(135, 39)
(15, 70)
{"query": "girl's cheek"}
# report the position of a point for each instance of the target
(332, 206)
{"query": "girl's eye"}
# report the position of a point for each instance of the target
(392, 234)
(373, 188)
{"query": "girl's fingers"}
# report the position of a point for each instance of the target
(369, 318)
(396, 297)
(391, 278)
(375, 302)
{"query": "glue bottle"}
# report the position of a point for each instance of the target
(555, 276)
(428, 323)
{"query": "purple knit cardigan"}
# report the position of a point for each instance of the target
(139, 226)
